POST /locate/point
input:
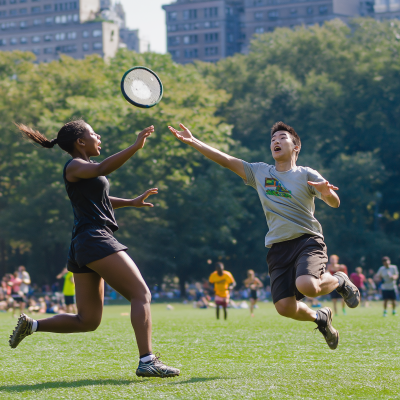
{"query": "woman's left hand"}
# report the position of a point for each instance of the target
(140, 200)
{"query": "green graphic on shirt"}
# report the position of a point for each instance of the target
(275, 188)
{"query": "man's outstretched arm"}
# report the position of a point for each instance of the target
(225, 160)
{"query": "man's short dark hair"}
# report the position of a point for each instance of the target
(281, 126)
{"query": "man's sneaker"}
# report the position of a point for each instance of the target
(330, 334)
(394, 313)
(348, 291)
(385, 313)
(21, 331)
(155, 368)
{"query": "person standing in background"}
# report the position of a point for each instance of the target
(334, 267)
(359, 279)
(26, 280)
(68, 290)
(389, 274)
(253, 283)
(223, 281)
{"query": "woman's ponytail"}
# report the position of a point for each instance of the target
(36, 136)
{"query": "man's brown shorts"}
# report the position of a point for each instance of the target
(305, 255)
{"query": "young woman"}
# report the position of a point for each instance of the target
(94, 253)
(253, 283)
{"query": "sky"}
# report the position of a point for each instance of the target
(149, 18)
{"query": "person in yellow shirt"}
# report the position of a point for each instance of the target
(223, 281)
(68, 290)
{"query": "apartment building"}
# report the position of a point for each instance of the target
(49, 28)
(203, 29)
(195, 32)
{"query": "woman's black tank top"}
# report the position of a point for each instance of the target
(90, 201)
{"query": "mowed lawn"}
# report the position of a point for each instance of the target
(266, 357)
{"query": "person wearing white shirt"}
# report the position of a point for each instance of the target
(388, 273)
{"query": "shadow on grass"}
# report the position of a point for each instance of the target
(94, 382)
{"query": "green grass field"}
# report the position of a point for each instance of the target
(266, 357)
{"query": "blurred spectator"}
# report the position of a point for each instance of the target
(359, 279)
(26, 280)
(389, 274)
(68, 290)
(18, 298)
(333, 267)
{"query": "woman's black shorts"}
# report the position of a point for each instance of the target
(253, 294)
(305, 255)
(91, 243)
(69, 300)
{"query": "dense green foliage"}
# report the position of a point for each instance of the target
(266, 357)
(338, 86)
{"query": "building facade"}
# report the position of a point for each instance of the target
(203, 29)
(196, 32)
(49, 28)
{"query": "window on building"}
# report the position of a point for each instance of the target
(13, 1)
(66, 49)
(97, 45)
(37, 22)
(61, 19)
(85, 46)
(258, 15)
(211, 51)
(211, 12)
(22, 1)
(2, 2)
(48, 38)
(71, 35)
(273, 14)
(48, 50)
(211, 37)
(293, 12)
(189, 14)
(259, 29)
(23, 10)
(47, 7)
(257, 2)
(231, 38)
(172, 16)
(175, 53)
(96, 33)
(191, 53)
(173, 41)
(172, 28)
(13, 40)
(229, 10)
(3, 13)
(23, 24)
(36, 51)
(23, 40)
(49, 20)
(85, 34)
(35, 39)
(60, 36)
(35, 9)
(3, 42)
(323, 10)
(14, 11)
(310, 10)
(75, 18)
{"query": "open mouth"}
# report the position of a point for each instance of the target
(277, 148)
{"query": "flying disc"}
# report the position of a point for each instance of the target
(142, 87)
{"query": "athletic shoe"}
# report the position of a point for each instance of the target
(22, 330)
(155, 368)
(348, 291)
(330, 334)
(385, 313)
(394, 313)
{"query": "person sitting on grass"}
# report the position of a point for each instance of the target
(297, 256)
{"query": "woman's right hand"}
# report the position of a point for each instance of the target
(184, 136)
(141, 139)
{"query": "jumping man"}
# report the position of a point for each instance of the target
(297, 254)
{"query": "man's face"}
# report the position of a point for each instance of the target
(333, 259)
(282, 146)
(386, 263)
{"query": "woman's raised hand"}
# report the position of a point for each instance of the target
(141, 139)
(184, 136)
(140, 200)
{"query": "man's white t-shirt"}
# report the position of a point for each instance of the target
(287, 200)
(386, 274)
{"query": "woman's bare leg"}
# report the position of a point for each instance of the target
(121, 273)
(89, 289)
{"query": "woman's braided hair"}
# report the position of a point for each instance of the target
(66, 136)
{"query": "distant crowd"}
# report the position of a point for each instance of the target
(18, 293)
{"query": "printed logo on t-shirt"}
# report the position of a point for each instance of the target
(275, 188)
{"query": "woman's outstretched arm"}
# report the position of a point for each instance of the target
(81, 169)
(136, 202)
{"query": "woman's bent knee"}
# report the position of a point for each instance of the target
(89, 324)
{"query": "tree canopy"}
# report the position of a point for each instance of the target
(337, 85)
